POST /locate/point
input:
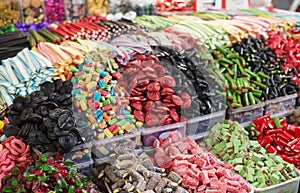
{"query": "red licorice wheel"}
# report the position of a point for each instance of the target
(139, 115)
(140, 98)
(159, 70)
(151, 76)
(143, 82)
(147, 63)
(136, 93)
(177, 100)
(163, 109)
(137, 105)
(168, 121)
(148, 70)
(170, 105)
(186, 104)
(167, 91)
(148, 105)
(174, 115)
(185, 96)
(141, 88)
(154, 96)
(153, 121)
(167, 81)
(153, 87)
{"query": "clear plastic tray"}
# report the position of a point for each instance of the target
(298, 99)
(281, 104)
(197, 126)
(102, 149)
(86, 167)
(290, 186)
(246, 114)
(150, 134)
(80, 154)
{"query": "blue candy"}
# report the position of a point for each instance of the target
(97, 96)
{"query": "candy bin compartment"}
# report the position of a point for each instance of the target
(150, 134)
(246, 114)
(75, 9)
(281, 104)
(103, 149)
(86, 167)
(290, 186)
(33, 11)
(197, 126)
(10, 12)
(80, 154)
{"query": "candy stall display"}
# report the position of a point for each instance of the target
(121, 98)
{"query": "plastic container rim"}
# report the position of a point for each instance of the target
(278, 185)
(133, 134)
(247, 108)
(146, 131)
(279, 99)
(206, 117)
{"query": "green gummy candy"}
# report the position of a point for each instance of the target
(106, 103)
(238, 168)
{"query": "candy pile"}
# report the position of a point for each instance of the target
(23, 74)
(13, 153)
(129, 172)
(195, 79)
(42, 35)
(11, 43)
(230, 142)
(60, 55)
(175, 5)
(45, 118)
(47, 174)
(97, 94)
(243, 87)
(153, 22)
(279, 137)
(54, 10)
(152, 92)
(276, 82)
(287, 48)
(117, 28)
(201, 170)
(6, 29)
(82, 30)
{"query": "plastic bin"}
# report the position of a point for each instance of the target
(102, 149)
(290, 186)
(298, 99)
(150, 134)
(80, 153)
(197, 126)
(281, 104)
(246, 114)
(86, 167)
